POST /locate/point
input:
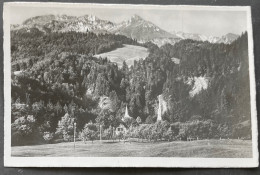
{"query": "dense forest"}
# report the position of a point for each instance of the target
(56, 81)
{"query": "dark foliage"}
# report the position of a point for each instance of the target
(59, 75)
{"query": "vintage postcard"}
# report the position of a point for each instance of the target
(109, 85)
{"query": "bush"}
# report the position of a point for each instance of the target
(242, 130)
(25, 131)
(65, 128)
(120, 136)
(47, 136)
(155, 131)
(168, 135)
(202, 130)
(108, 133)
(90, 132)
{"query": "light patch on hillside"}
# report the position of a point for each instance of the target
(18, 72)
(163, 104)
(161, 108)
(176, 60)
(199, 83)
(162, 41)
(104, 103)
(128, 53)
(90, 91)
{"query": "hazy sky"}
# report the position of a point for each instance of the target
(207, 22)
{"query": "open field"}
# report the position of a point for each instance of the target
(128, 53)
(201, 148)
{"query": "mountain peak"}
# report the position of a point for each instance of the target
(62, 16)
(135, 16)
(39, 19)
(90, 17)
(232, 36)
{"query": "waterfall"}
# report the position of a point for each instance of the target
(159, 114)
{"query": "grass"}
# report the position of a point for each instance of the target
(128, 53)
(201, 148)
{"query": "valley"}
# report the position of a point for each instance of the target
(133, 76)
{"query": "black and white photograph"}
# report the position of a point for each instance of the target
(109, 85)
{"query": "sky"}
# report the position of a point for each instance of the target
(204, 21)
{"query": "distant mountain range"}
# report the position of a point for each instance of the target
(136, 28)
(227, 39)
(64, 23)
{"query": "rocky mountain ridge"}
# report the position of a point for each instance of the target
(136, 27)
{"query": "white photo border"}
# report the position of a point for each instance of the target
(10, 161)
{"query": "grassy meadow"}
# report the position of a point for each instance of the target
(128, 53)
(199, 149)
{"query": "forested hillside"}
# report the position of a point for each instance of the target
(56, 81)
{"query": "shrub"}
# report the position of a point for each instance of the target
(120, 136)
(138, 120)
(202, 129)
(168, 135)
(25, 131)
(90, 132)
(108, 133)
(65, 128)
(47, 136)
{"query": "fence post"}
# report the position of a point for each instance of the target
(74, 135)
(100, 137)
